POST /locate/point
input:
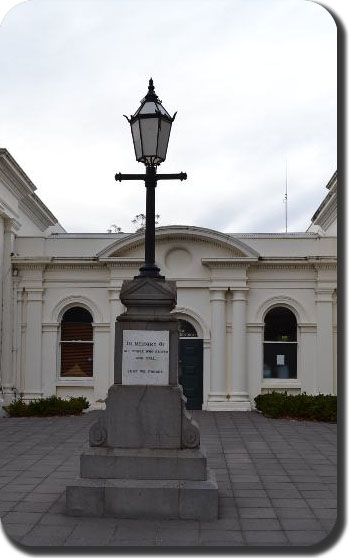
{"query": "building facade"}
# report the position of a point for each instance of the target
(257, 311)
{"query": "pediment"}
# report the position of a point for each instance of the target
(212, 243)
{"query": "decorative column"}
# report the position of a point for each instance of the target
(33, 388)
(254, 360)
(50, 348)
(217, 397)
(335, 342)
(324, 307)
(2, 240)
(7, 379)
(239, 398)
(16, 336)
(307, 358)
(101, 339)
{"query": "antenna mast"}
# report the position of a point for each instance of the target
(286, 196)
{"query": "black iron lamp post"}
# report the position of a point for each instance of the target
(150, 128)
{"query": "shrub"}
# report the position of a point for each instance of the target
(303, 406)
(47, 407)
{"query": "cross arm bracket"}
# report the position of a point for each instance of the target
(179, 176)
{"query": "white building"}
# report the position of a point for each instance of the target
(258, 311)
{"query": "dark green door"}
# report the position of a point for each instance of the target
(191, 371)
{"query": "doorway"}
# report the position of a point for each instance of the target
(191, 365)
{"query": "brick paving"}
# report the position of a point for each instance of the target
(276, 478)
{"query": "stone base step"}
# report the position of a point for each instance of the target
(157, 499)
(161, 464)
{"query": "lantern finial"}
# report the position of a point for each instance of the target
(151, 95)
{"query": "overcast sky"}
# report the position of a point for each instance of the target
(253, 81)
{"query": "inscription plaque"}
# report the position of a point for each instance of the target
(145, 357)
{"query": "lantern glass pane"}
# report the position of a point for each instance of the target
(148, 108)
(136, 139)
(164, 134)
(162, 110)
(149, 132)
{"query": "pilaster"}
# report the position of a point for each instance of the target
(2, 240)
(239, 398)
(324, 310)
(101, 338)
(255, 334)
(50, 358)
(307, 371)
(217, 398)
(33, 387)
(7, 379)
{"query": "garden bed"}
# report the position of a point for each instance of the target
(302, 406)
(47, 407)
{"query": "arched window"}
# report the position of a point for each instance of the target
(76, 343)
(186, 329)
(280, 344)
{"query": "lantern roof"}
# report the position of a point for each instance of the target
(151, 105)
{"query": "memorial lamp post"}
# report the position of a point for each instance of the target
(144, 459)
(150, 128)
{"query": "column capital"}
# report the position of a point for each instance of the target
(324, 294)
(11, 225)
(114, 293)
(239, 294)
(34, 294)
(218, 294)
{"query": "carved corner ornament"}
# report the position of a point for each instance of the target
(190, 429)
(98, 434)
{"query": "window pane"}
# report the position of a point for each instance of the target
(137, 139)
(76, 331)
(77, 359)
(280, 325)
(77, 314)
(186, 329)
(280, 360)
(76, 325)
(164, 134)
(149, 132)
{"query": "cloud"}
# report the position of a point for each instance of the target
(254, 83)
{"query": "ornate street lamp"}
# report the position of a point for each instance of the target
(150, 128)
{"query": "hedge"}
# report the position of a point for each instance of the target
(49, 406)
(302, 406)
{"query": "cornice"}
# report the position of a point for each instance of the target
(8, 211)
(273, 236)
(116, 262)
(9, 163)
(307, 263)
(30, 265)
(228, 262)
(42, 218)
(20, 185)
(51, 263)
(266, 266)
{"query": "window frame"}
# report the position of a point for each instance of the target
(68, 380)
(275, 380)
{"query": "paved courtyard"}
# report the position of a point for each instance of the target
(277, 485)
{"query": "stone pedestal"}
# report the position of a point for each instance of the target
(144, 458)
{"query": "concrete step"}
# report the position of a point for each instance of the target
(116, 463)
(134, 498)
